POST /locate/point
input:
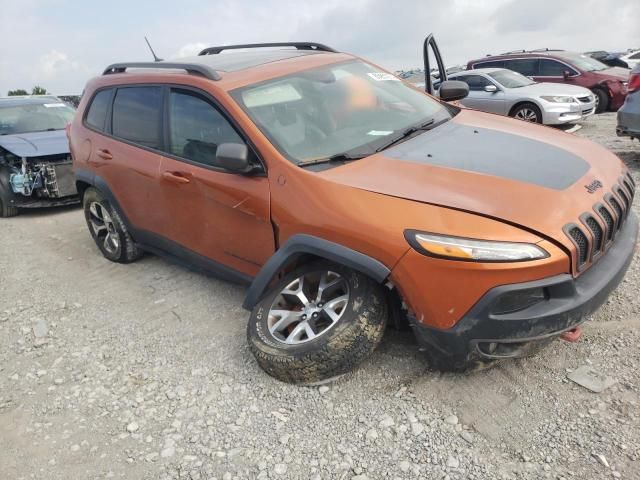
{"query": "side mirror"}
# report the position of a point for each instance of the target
(233, 157)
(451, 90)
(491, 88)
(566, 74)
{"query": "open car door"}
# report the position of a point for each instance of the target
(430, 49)
(449, 90)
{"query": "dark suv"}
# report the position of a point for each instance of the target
(608, 84)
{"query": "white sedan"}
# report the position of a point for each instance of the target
(502, 91)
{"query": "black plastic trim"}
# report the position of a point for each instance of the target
(307, 244)
(193, 68)
(298, 45)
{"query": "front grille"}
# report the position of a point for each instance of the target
(609, 221)
(617, 209)
(593, 239)
(625, 199)
(585, 99)
(598, 236)
(582, 244)
(587, 111)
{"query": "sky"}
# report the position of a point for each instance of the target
(60, 44)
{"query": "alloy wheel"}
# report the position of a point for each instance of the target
(527, 114)
(308, 307)
(103, 227)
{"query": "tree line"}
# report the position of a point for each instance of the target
(37, 90)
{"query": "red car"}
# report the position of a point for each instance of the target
(608, 84)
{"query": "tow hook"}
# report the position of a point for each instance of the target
(572, 335)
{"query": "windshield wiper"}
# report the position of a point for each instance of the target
(406, 133)
(338, 157)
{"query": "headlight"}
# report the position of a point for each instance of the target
(559, 99)
(470, 250)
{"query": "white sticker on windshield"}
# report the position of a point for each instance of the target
(54, 105)
(380, 133)
(383, 77)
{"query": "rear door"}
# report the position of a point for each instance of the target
(551, 70)
(217, 214)
(125, 146)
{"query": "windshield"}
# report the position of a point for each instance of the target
(583, 62)
(510, 79)
(34, 117)
(347, 108)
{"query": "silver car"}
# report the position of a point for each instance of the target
(502, 91)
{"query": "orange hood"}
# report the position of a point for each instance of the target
(535, 177)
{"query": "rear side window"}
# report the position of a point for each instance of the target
(196, 128)
(526, 66)
(97, 113)
(552, 68)
(490, 64)
(136, 115)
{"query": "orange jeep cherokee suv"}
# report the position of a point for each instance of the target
(347, 198)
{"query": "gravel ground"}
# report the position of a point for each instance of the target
(142, 372)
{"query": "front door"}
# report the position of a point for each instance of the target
(484, 95)
(217, 214)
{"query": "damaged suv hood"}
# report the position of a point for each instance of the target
(534, 177)
(36, 144)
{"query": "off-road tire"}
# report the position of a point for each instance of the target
(128, 251)
(527, 106)
(602, 100)
(7, 211)
(337, 351)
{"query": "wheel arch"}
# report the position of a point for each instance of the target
(302, 248)
(524, 101)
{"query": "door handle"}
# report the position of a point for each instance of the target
(104, 154)
(176, 177)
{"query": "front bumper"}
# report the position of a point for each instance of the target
(561, 113)
(481, 334)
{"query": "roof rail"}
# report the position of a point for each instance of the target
(194, 68)
(547, 50)
(514, 51)
(299, 45)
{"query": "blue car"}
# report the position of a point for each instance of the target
(629, 113)
(35, 164)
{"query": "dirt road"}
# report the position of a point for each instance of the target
(142, 372)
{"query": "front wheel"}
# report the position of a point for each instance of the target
(6, 210)
(602, 100)
(319, 322)
(527, 112)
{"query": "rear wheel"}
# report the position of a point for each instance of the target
(108, 229)
(602, 100)
(7, 210)
(318, 323)
(527, 112)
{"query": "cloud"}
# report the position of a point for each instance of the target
(190, 49)
(81, 42)
(54, 62)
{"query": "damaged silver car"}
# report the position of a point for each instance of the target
(35, 164)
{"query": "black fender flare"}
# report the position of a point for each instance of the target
(307, 244)
(99, 183)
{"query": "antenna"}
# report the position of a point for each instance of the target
(155, 57)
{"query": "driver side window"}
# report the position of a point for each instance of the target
(475, 82)
(196, 128)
